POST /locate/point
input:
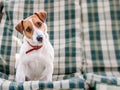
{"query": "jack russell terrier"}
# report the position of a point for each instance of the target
(36, 56)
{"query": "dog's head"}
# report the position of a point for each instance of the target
(34, 27)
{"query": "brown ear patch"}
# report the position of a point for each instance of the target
(41, 15)
(19, 27)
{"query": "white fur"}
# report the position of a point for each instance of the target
(38, 64)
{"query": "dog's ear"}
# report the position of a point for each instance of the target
(19, 27)
(41, 15)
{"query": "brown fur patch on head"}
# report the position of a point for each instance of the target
(19, 27)
(28, 28)
(38, 18)
(41, 15)
(38, 23)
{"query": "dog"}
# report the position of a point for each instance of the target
(36, 56)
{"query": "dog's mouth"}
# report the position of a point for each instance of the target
(37, 47)
(39, 40)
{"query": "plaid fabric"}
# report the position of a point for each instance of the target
(63, 21)
(106, 82)
(92, 79)
(38, 85)
(101, 33)
(66, 82)
(106, 87)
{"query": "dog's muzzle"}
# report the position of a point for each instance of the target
(39, 38)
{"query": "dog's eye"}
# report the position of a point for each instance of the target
(28, 29)
(39, 23)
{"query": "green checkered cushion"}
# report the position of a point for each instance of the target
(63, 21)
(92, 79)
(70, 84)
(106, 82)
(67, 82)
(101, 33)
(106, 87)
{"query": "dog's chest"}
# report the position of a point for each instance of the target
(37, 56)
(35, 68)
(34, 56)
(35, 63)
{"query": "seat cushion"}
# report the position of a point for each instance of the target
(63, 21)
(106, 82)
(74, 83)
(101, 33)
(106, 86)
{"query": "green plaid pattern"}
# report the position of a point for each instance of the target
(38, 85)
(92, 79)
(106, 82)
(66, 82)
(63, 21)
(106, 87)
(101, 34)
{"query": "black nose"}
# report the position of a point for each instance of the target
(39, 38)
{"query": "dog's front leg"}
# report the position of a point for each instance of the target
(47, 73)
(20, 73)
